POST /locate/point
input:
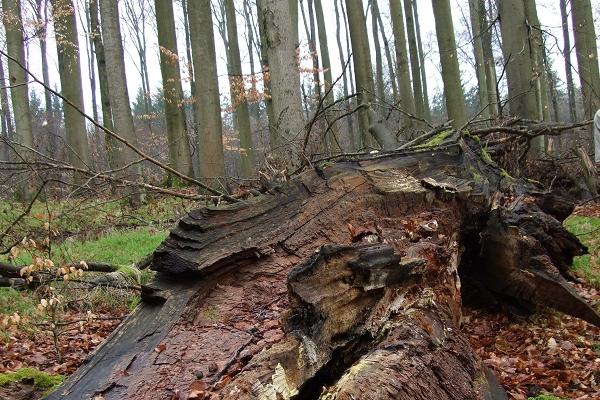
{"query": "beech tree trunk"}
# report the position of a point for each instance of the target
(347, 77)
(476, 30)
(415, 63)
(379, 81)
(239, 101)
(69, 68)
(207, 102)
(426, 107)
(567, 56)
(489, 60)
(17, 79)
(41, 11)
(288, 119)
(363, 72)
(118, 93)
(180, 157)
(587, 55)
(344, 284)
(107, 121)
(517, 56)
(406, 93)
(389, 59)
(264, 61)
(453, 91)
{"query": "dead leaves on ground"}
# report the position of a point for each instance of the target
(36, 349)
(549, 352)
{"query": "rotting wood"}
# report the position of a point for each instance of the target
(346, 284)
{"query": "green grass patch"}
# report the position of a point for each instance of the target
(40, 379)
(14, 301)
(119, 248)
(84, 216)
(587, 229)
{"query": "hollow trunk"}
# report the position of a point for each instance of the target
(347, 278)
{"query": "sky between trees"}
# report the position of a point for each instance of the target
(548, 10)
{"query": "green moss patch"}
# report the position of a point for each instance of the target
(40, 379)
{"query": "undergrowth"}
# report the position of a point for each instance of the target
(587, 229)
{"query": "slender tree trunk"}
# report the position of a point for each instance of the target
(89, 47)
(587, 55)
(4, 116)
(327, 76)
(135, 18)
(288, 121)
(415, 64)
(119, 95)
(407, 102)
(389, 59)
(69, 67)
(240, 104)
(537, 46)
(517, 56)
(379, 83)
(188, 48)
(4, 148)
(348, 44)
(363, 75)
(209, 125)
(476, 29)
(426, 108)
(489, 61)
(42, 17)
(453, 92)
(324, 47)
(253, 106)
(18, 81)
(6, 119)
(309, 27)
(567, 56)
(354, 139)
(107, 119)
(178, 141)
(264, 60)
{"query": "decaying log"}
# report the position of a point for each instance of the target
(345, 285)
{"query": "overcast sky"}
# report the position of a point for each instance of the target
(548, 10)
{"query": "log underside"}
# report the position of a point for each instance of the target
(346, 285)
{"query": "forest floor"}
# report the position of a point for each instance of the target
(546, 356)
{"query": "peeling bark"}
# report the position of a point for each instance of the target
(345, 284)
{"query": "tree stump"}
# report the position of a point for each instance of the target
(344, 284)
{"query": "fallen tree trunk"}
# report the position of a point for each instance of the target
(346, 285)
